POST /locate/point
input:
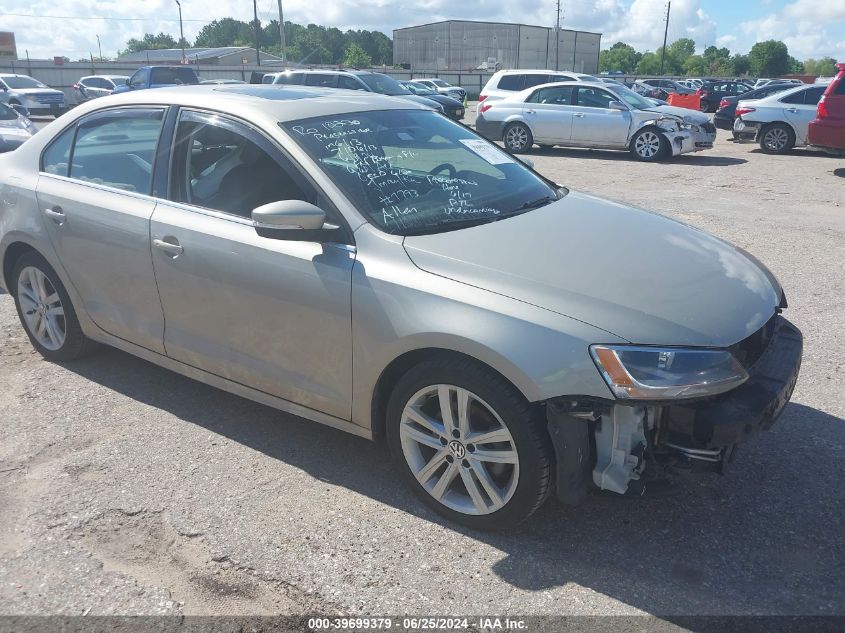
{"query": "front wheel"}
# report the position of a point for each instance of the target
(518, 138)
(703, 106)
(468, 444)
(46, 312)
(649, 145)
(777, 139)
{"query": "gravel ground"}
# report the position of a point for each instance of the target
(127, 489)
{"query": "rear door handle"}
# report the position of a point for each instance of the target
(171, 248)
(56, 214)
(793, 110)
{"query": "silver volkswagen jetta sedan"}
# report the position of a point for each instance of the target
(367, 263)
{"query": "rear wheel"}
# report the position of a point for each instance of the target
(704, 106)
(518, 138)
(45, 310)
(649, 145)
(468, 444)
(777, 138)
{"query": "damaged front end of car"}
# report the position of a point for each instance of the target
(684, 134)
(674, 408)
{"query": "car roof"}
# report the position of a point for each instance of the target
(777, 96)
(268, 101)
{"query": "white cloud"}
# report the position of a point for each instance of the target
(809, 27)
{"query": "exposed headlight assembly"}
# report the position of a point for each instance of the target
(654, 373)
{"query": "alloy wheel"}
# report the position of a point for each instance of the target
(42, 309)
(516, 138)
(776, 139)
(459, 449)
(647, 144)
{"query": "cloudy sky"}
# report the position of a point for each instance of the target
(810, 28)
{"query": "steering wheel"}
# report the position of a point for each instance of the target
(447, 166)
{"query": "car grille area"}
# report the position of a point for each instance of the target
(709, 127)
(48, 97)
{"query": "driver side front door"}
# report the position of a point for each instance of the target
(270, 314)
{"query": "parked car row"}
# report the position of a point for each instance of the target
(15, 127)
(23, 90)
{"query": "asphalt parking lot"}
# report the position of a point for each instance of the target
(127, 489)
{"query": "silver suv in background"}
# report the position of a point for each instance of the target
(506, 82)
(363, 80)
(35, 96)
(443, 87)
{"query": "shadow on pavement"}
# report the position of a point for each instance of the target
(703, 160)
(767, 538)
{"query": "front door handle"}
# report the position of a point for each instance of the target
(170, 248)
(580, 115)
(529, 112)
(56, 214)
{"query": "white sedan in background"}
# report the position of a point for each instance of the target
(780, 121)
(596, 115)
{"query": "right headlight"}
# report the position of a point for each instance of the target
(655, 373)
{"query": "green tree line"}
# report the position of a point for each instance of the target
(311, 44)
(765, 59)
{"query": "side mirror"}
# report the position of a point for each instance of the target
(289, 214)
(617, 105)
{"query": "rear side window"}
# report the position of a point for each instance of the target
(116, 149)
(56, 158)
(536, 80)
(349, 83)
(814, 95)
(797, 98)
(552, 96)
(321, 80)
(512, 82)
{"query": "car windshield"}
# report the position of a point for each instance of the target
(119, 81)
(439, 82)
(7, 113)
(631, 98)
(418, 89)
(22, 83)
(383, 84)
(412, 172)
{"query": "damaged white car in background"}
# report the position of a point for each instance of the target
(586, 114)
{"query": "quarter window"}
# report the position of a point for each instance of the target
(221, 165)
(117, 149)
(56, 158)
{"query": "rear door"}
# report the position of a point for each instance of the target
(323, 80)
(94, 192)
(800, 108)
(549, 113)
(594, 123)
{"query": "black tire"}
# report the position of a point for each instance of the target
(546, 148)
(76, 344)
(524, 422)
(777, 138)
(649, 145)
(704, 106)
(517, 138)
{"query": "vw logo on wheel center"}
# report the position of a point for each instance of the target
(457, 449)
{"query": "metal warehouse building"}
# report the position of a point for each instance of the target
(460, 45)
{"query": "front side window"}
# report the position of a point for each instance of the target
(413, 172)
(219, 164)
(594, 98)
(349, 83)
(117, 149)
(138, 78)
(383, 84)
(173, 76)
(536, 80)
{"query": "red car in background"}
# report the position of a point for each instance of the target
(827, 130)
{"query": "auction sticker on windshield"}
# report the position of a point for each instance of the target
(488, 152)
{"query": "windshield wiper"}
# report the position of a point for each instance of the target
(535, 204)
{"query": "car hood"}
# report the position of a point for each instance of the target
(36, 91)
(431, 103)
(639, 275)
(442, 99)
(690, 116)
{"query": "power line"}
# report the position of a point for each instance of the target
(93, 17)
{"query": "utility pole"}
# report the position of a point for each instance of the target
(665, 33)
(257, 41)
(282, 31)
(181, 31)
(100, 48)
(557, 38)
